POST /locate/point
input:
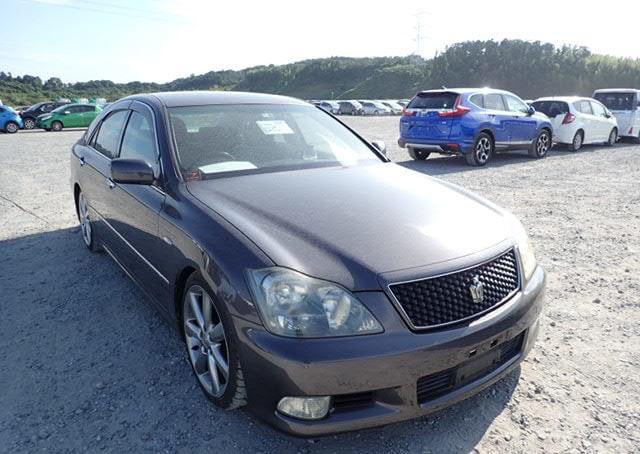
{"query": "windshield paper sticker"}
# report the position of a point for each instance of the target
(273, 127)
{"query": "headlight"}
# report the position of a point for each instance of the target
(295, 305)
(525, 248)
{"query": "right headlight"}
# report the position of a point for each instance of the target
(295, 305)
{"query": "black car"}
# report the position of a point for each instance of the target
(313, 280)
(30, 115)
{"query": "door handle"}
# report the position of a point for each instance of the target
(110, 183)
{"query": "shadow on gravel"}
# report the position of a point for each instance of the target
(443, 165)
(88, 364)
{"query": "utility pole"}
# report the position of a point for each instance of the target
(419, 28)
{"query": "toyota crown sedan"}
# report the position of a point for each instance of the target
(312, 280)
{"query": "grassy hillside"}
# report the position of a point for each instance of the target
(530, 69)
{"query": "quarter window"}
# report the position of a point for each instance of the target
(139, 140)
(108, 137)
(493, 101)
(478, 100)
(584, 107)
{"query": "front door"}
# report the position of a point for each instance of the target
(522, 126)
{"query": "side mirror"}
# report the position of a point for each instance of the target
(131, 171)
(531, 110)
(380, 146)
(66, 112)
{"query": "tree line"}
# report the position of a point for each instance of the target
(530, 69)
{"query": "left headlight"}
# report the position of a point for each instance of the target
(525, 248)
(295, 305)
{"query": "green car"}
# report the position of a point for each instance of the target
(69, 116)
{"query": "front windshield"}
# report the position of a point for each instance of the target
(216, 139)
(616, 101)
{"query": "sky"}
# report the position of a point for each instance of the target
(160, 40)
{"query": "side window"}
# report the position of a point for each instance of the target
(478, 100)
(47, 108)
(584, 107)
(515, 105)
(88, 108)
(598, 109)
(1, 110)
(493, 101)
(108, 137)
(74, 109)
(139, 141)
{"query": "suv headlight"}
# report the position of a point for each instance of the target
(525, 248)
(295, 305)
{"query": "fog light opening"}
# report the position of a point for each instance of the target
(308, 408)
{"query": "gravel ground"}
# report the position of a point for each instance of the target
(87, 365)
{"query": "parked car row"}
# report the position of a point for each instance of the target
(52, 115)
(362, 106)
(478, 122)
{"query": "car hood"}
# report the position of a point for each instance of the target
(350, 224)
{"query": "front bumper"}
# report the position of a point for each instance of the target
(385, 366)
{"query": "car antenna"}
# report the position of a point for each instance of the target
(444, 88)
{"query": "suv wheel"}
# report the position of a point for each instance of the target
(418, 155)
(613, 137)
(11, 127)
(540, 146)
(56, 126)
(576, 144)
(29, 123)
(211, 346)
(482, 151)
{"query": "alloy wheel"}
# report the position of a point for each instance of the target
(56, 126)
(29, 123)
(542, 144)
(483, 150)
(577, 142)
(613, 137)
(206, 341)
(11, 128)
(85, 221)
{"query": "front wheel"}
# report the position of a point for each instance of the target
(29, 123)
(418, 155)
(613, 137)
(11, 127)
(482, 151)
(540, 146)
(56, 126)
(211, 346)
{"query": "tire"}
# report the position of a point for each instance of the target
(375, 112)
(29, 123)
(483, 149)
(56, 126)
(613, 138)
(11, 127)
(541, 145)
(418, 155)
(353, 112)
(211, 345)
(577, 142)
(87, 229)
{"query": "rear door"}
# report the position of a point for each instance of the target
(590, 123)
(423, 120)
(499, 117)
(73, 118)
(522, 127)
(89, 113)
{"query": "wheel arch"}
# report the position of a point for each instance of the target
(179, 287)
(76, 194)
(486, 130)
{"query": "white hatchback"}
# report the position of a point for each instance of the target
(624, 103)
(577, 121)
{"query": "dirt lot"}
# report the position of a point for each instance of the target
(87, 365)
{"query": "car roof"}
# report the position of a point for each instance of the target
(203, 98)
(617, 90)
(466, 90)
(563, 98)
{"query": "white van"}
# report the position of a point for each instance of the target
(623, 103)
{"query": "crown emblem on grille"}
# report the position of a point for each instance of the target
(477, 290)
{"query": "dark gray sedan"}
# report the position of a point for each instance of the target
(312, 280)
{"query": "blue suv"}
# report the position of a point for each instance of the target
(10, 121)
(473, 122)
